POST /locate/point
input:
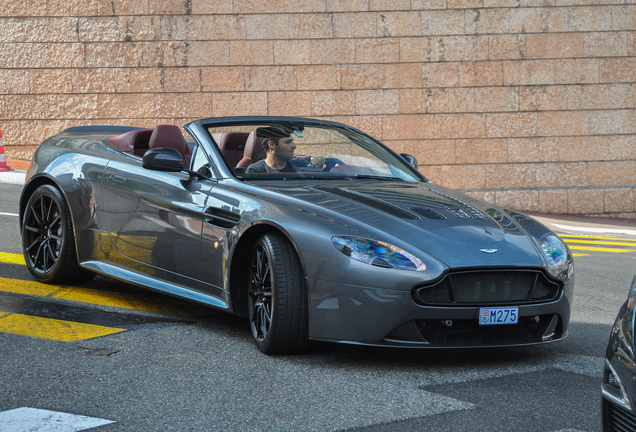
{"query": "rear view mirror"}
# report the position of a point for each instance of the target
(410, 160)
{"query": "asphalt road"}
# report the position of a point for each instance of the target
(181, 368)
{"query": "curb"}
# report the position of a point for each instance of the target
(17, 173)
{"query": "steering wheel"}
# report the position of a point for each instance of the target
(332, 162)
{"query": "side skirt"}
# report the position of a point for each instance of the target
(144, 281)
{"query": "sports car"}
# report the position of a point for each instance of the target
(619, 384)
(350, 243)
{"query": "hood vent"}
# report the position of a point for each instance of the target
(432, 207)
(463, 210)
(506, 223)
(532, 227)
(427, 213)
(372, 202)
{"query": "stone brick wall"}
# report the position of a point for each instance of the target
(526, 103)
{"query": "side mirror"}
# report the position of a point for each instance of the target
(410, 160)
(163, 159)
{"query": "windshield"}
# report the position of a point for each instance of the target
(286, 150)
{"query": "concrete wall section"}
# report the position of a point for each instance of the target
(526, 103)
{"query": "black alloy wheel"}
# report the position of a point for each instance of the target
(48, 243)
(277, 299)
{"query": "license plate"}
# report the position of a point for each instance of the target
(499, 315)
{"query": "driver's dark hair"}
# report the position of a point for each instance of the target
(266, 140)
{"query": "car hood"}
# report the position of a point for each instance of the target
(457, 229)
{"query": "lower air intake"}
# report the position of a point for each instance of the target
(470, 333)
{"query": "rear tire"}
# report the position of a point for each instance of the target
(277, 298)
(48, 243)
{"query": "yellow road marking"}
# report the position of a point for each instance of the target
(579, 255)
(12, 258)
(597, 242)
(601, 249)
(87, 295)
(575, 241)
(567, 236)
(52, 329)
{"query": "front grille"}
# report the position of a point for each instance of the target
(488, 288)
(468, 332)
(617, 419)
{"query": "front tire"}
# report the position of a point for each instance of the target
(277, 298)
(48, 243)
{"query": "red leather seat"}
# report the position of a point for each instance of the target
(135, 142)
(171, 136)
(232, 145)
(254, 151)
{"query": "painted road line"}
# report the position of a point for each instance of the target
(93, 296)
(600, 242)
(595, 230)
(52, 329)
(579, 254)
(567, 236)
(33, 419)
(12, 258)
(599, 249)
(9, 214)
(80, 312)
(576, 242)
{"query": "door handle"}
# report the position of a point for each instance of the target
(118, 178)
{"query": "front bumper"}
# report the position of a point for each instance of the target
(372, 316)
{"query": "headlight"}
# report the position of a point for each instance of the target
(558, 256)
(377, 253)
(613, 388)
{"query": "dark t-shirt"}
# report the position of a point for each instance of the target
(261, 167)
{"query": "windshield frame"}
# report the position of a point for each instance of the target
(201, 131)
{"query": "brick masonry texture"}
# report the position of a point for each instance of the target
(529, 104)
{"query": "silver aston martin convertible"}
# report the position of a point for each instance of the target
(310, 229)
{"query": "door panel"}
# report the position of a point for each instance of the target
(155, 217)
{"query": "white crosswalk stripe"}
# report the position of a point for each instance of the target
(33, 419)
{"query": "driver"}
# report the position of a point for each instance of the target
(278, 142)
